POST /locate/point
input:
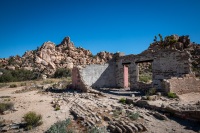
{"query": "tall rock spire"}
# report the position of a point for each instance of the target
(66, 41)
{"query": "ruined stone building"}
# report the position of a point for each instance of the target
(171, 72)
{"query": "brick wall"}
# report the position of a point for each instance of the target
(188, 83)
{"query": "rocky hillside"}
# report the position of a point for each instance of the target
(49, 57)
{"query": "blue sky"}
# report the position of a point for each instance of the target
(127, 26)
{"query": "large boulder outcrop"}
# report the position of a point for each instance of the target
(50, 57)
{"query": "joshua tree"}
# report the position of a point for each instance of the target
(155, 39)
(161, 38)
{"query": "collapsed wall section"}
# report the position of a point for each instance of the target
(188, 83)
(170, 64)
(95, 76)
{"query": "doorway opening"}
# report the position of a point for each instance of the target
(126, 75)
(145, 73)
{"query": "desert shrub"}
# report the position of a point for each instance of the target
(16, 75)
(32, 120)
(22, 75)
(151, 91)
(3, 85)
(122, 100)
(7, 100)
(145, 78)
(133, 116)
(6, 76)
(116, 113)
(97, 130)
(61, 84)
(23, 84)
(57, 108)
(172, 95)
(62, 72)
(13, 85)
(169, 40)
(11, 60)
(5, 96)
(6, 106)
(60, 127)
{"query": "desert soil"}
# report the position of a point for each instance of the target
(42, 104)
(33, 101)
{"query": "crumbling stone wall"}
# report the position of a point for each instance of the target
(188, 83)
(165, 64)
(95, 76)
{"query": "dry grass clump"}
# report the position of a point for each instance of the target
(13, 85)
(6, 106)
(133, 116)
(172, 95)
(122, 100)
(32, 120)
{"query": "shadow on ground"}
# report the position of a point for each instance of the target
(189, 125)
(66, 90)
(121, 92)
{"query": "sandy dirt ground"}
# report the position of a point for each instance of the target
(32, 101)
(42, 104)
(190, 98)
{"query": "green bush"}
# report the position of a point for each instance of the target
(23, 84)
(122, 100)
(7, 76)
(57, 108)
(22, 75)
(32, 120)
(172, 95)
(134, 116)
(17, 75)
(13, 86)
(6, 106)
(169, 40)
(11, 60)
(62, 72)
(116, 113)
(60, 127)
(145, 78)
